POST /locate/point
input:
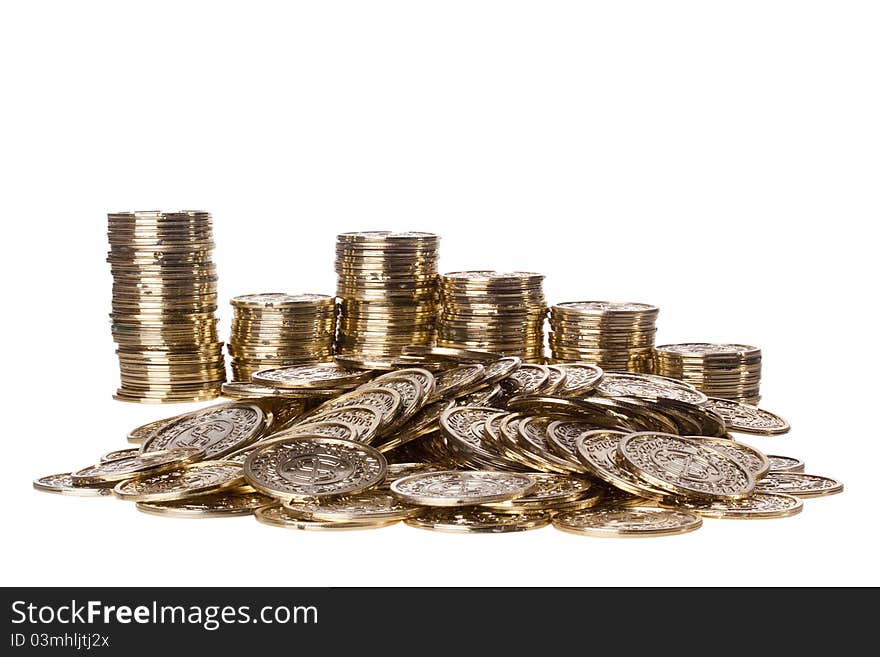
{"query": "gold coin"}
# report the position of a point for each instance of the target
(628, 521)
(205, 477)
(462, 487)
(376, 504)
(220, 505)
(799, 484)
(277, 515)
(477, 521)
(63, 484)
(785, 463)
(141, 465)
(755, 506)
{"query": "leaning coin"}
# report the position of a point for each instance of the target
(278, 516)
(365, 420)
(684, 467)
(190, 481)
(117, 454)
(141, 465)
(550, 490)
(375, 504)
(748, 419)
(785, 463)
(597, 450)
(220, 430)
(302, 467)
(580, 378)
(755, 460)
(329, 428)
(141, 433)
(755, 506)
(628, 521)
(451, 383)
(319, 375)
(220, 505)
(63, 484)
(478, 521)
(799, 484)
(462, 487)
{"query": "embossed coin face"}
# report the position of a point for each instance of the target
(532, 435)
(451, 383)
(120, 454)
(648, 386)
(141, 433)
(400, 470)
(597, 450)
(384, 399)
(365, 420)
(684, 467)
(243, 389)
(550, 490)
(462, 487)
(190, 481)
(708, 348)
(423, 376)
(785, 463)
(277, 515)
(278, 300)
(375, 504)
(220, 505)
(755, 460)
(799, 484)
(303, 467)
(628, 521)
(63, 484)
(501, 369)
(477, 521)
(412, 395)
(563, 434)
(319, 375)
(755, 506)
(138, 466)
(527, 378)
(219, 430)
(329, 428)
(450, 353)
(580, 378)
(748, 419)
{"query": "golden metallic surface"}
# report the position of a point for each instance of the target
(276, 515)
(203, 478)
(754, 507)
(628, 522)
(478, 521)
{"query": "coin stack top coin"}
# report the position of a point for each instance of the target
(728, 371)
(616, 336)
(500, 312)
(277, 330)
(164, 303)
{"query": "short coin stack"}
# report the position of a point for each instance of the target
(276, 330)
(727, 371)
(616, 336)
(164, 304)
(500, 312)
(387, 285)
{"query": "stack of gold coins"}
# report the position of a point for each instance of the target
(164, 304)
(387, 285)
(728, 371)
(616, 336)
(501, 312)
(277, 330)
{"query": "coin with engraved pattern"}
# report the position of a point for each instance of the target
(219, 505)
(684, 467)
(755, 506)
(748, 419)
(785, 463)
(412, 395)
(117, 454)
(450, 353)
(755, 460)
(799, 484)
(319, 375)
(423, 376)
(386, 400)
(628, 521)
(304, 467)
(597, 450)
(451, 383)
(139, 434)
(141, 465)
(462, 487)
(277, 515)
(219, 430)
(580, 378)
(330, 428)
(527, 378)
(550, 490)
(190, 481)
(562, 436)
(648, 386)
(375, 504)
(478, 521)
(63, 484)
(365, 420)
(500, 369)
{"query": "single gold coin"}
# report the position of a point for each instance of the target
(628, 521)
(277, 515)
(462, 487)
(755, 506)
(755, 460)
(63, 484)
(550, 490)
(478, 521)
(142, 465)
(799, 484)
(319, 375)
(190, 481)
(745, 418)
(785, 463)
(141, 433)
(117, 454)
(220, 505)
(375, 504)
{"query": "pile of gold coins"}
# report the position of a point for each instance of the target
(728, 371)
(387, 288)
(616, 336)
(499, 312)
(164, 303)
(486, 444)
(276, 330)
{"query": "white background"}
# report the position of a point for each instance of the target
(717, 159)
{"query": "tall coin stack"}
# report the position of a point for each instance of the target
(387, 286)
(164, 304)
(278, 330)
(501, 312)
(616, 336)
(728, 371)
